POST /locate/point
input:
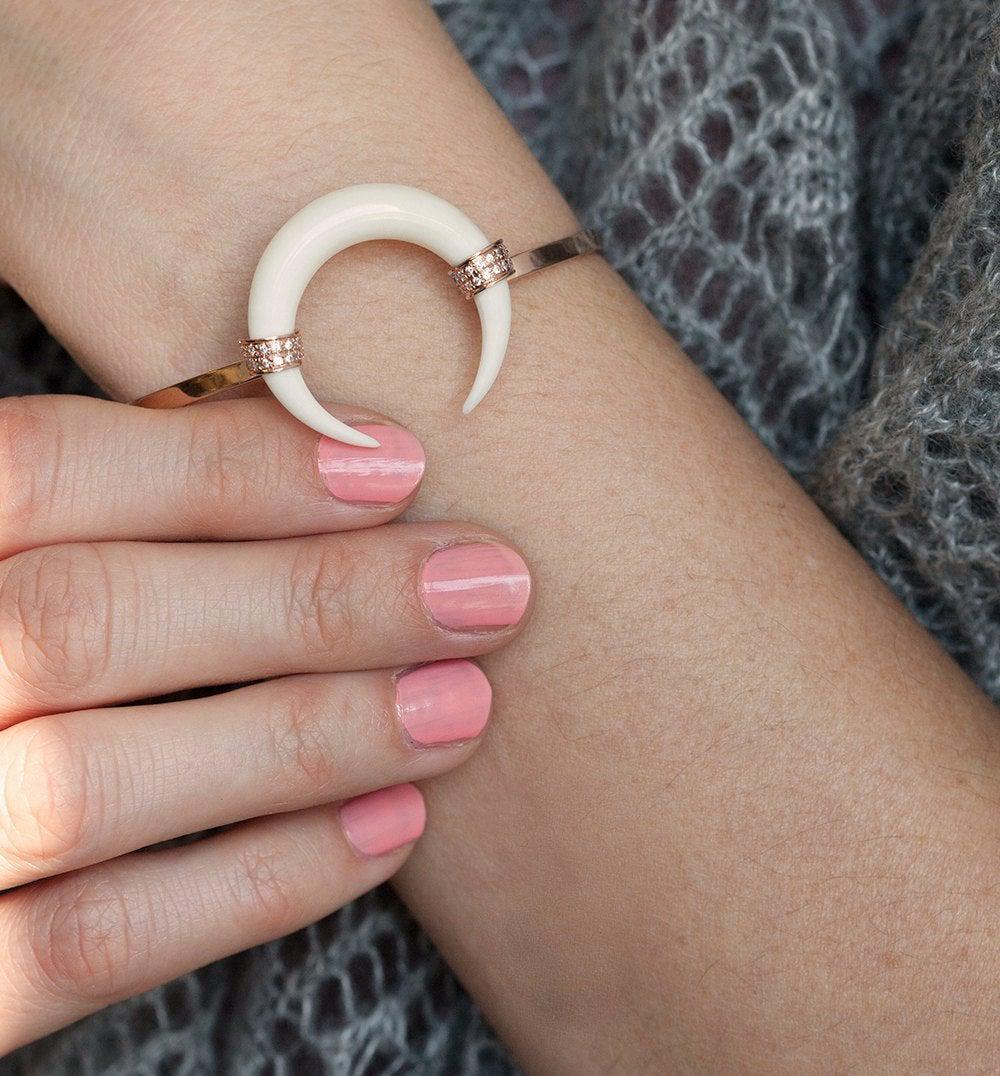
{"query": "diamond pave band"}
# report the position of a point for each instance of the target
(484, 269)
(273, 354)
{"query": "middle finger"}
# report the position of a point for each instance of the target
(89, 625)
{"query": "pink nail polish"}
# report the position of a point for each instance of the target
(380, 822)
(445, 702)
(475, 586)
(384, 475)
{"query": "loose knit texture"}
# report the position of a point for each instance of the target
(805, 193)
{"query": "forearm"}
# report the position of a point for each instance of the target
(738, 811)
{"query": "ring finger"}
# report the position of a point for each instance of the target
(81, 788)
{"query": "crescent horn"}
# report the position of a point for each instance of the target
(340, 220)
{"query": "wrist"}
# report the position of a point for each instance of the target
(159, 231)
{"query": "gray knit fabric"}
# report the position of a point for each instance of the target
(805, 193)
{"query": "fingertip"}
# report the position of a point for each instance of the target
(444, 703)
(382, 822)
(384, 478)
(476, 586)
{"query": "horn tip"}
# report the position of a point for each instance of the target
(359, 440)
(472, 402)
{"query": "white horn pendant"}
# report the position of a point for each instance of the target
(338, 221)
(329, 225)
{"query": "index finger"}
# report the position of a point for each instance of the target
(76, 469)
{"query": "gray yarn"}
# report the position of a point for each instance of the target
(911, 477)
(804, 193)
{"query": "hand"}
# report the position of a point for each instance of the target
(732, 771)
(150, 552)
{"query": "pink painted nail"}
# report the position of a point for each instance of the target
(380, 822)
(384, 475)
(476, 585)
(445, 702)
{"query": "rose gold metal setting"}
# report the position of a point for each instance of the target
(573, 246)
(484, 269)
(193, 389)
(259, 357)
(275, 353)
(494, 263)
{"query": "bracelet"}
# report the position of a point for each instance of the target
(273, 350)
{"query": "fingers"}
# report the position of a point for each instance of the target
(75, 469)
(83, 788)
(72, 945)
(91, 625)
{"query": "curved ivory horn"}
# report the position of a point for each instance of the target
(340, 220)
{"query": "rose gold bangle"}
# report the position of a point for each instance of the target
(489, 266)
(332, 223)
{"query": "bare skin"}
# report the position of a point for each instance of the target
(738, 812)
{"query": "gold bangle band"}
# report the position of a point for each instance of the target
(193, 389)
(483, 270)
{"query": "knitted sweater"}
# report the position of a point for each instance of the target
(805, 193)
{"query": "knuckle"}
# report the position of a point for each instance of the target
(217, 482)
(44, 805)
(302, 742)
(83, 938)
(324, 599)
(30, 435)
(263, 894)
(55, 612)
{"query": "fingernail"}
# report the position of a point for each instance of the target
(445, 702)
(380, 822)
(384, 475)
(476, 585)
